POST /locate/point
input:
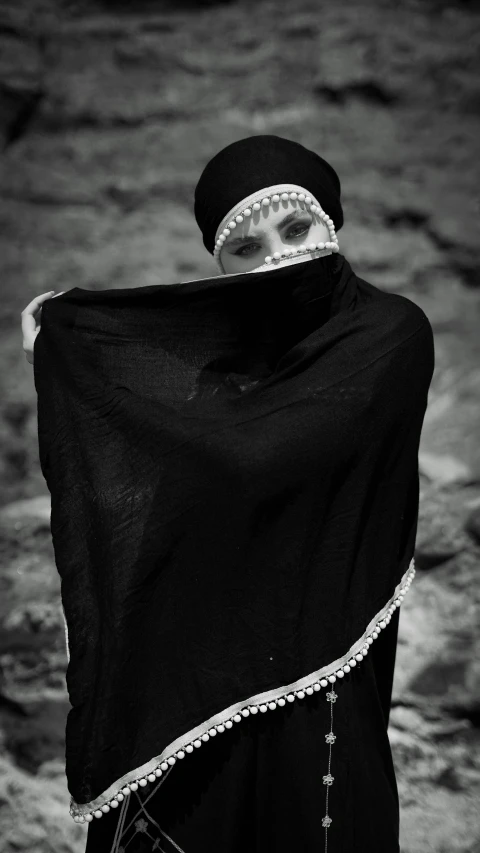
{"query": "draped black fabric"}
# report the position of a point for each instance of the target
(233, 467)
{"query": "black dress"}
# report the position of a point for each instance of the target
(259, 787)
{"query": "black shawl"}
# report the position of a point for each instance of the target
(233, 467)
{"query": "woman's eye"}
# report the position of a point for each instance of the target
(246, 251)
(299, 230)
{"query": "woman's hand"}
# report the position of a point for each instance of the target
(30, 322)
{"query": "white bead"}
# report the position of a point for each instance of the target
(159, 772)
(256, 206)
(89, 817)
(226, 231)
(76, 818)
(238, 718)
(335, 248)
(272, 705)
(245, 712)
(189, 748)
(105, 809)
(359, 658)
(254, 709)
(301, 196)
(180, 754)
(204, 737)
(134, 786)
(247, 212)
(293, 196)
(302, 247)
(228, 724)
(277, 256)
(346, 668)
(301, 694)
(114, 804)
(331, 679)
(312, 247)
(309, 691)
(281, 702)
(151, 777)
(221, 728)
(98, 813)
(268, 259)
(239, 219)
(197, 743)
(287, 252)
(263, 708)
(316, 687)
(290, 697)
(276, 198)
(313, 208)
(321, 245)
(340, 673)
(221, 239)
(352, 662)
(324, 682)
(265, 202)
(126, 791)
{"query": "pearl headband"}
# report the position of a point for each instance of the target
(273, 195)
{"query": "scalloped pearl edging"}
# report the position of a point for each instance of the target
(272, 699)
(263, 198)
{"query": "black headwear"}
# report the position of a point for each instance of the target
(249, 165)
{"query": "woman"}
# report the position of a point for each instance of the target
(234, 512)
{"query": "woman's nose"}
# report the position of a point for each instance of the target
(277, 245)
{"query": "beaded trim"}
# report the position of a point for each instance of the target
(287, 259)
(269, 700)
(263, 198)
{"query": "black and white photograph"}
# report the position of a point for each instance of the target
(240, 426)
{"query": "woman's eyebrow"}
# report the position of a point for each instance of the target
(238, 241)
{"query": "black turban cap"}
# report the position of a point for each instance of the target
(246, 166)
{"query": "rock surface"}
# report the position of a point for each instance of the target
(108, 112)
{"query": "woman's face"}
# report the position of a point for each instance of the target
(281, 225)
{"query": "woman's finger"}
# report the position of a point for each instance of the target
(30, 312)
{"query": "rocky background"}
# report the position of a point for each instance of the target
(108, 112)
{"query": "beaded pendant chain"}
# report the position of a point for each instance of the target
(328, 779)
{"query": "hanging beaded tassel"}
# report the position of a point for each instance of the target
(330, 738)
